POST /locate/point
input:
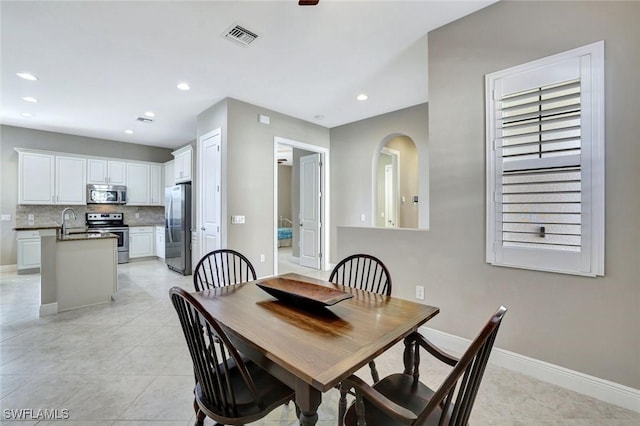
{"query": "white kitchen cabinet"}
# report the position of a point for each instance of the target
(51, 179)
(145, 184)
(169, 173)
(71, 181)
(103, 171)
(36, 175)
(156, 187)
(141, 239)
(138, 185)
(28, 250)
(182, 165)
(160, 242)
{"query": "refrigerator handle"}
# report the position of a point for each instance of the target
(170, 220)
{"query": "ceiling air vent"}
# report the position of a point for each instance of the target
(241, 35)
(144, 119)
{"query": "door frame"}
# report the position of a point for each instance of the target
(200, 187)
(395, 161)
(325, 203)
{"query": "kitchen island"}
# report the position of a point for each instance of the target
(77, 269)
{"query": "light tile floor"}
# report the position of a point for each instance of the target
(126, 364)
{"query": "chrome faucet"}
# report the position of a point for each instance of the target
(63, 217)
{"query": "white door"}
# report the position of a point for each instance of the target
(389, 197)
(310, 220)
(210, 207)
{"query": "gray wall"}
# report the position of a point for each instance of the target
(248, 178)
(353, 149)
(11, 137)
(591, 325)
(284, 193)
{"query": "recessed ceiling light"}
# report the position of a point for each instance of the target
(183, 86)
(129, 131)
(150, 114)
(362, 97)
(27, 76)
(30, 99)
(28, 114)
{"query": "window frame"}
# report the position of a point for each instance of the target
(590, 260)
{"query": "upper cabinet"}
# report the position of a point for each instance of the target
(50, 179)
(106, 171)
(138, 184)
(59, 178)
(144, 184)
(71, 180)
(182, 164)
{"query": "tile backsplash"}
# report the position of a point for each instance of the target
(50, 215)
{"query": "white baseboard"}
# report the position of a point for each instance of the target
(48, 309)
(604, 390)
(8, 268)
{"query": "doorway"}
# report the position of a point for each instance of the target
(307, 168)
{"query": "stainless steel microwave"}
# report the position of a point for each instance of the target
(106, 194)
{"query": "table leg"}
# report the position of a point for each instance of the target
(308, 400)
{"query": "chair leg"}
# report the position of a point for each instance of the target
(374, 372)
(200, 416)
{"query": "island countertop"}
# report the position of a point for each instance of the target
(79, 236)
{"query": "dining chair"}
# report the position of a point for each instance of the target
(221, 268)
(364, 272)
(401, 399)
(230, 389)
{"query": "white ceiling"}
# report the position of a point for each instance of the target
(103, 64)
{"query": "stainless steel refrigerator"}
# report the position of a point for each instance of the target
(177, 215)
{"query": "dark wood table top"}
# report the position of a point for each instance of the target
(322, 346)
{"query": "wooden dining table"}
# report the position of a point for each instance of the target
(312, 348)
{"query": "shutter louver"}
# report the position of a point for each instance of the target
(541, 181)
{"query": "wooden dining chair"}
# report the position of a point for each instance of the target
(221, 268)
(364, 272)
(230, 389)
(401, 399)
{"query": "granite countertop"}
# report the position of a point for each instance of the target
(137, 225)
(35, 227)
(80, 236)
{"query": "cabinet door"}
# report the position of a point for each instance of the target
(169, 173)
(97, 171)
(141, 242)
(182, 167)
(160, 242)
(156, 195)
(28, 253)
(117, 173)
(137, 184)
(70, 180)
(36, 178)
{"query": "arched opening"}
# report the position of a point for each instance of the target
(395, 192)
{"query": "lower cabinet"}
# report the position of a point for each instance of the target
(28, 250)
(160, 242)
(141, 239)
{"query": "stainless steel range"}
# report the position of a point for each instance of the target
(114, 224)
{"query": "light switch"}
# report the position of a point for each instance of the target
(362, 217)
(237, 219)
(264, 119)
(5, 218)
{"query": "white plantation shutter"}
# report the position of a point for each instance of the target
(545, 164)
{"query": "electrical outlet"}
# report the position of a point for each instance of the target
(363, 217)
(137, 215)
(31, 216)
(262, 258)
(5, 218)
(419, 292)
